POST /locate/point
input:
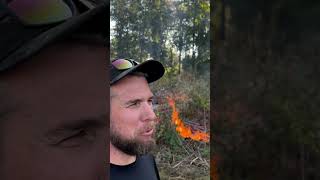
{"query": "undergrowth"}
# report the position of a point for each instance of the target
(180, 158)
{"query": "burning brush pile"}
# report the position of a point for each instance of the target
(184, 130)
(189, 157)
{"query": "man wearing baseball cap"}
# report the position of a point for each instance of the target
(132, 119)
(52, 89)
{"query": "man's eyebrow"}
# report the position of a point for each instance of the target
(133, 101)
(138, 100)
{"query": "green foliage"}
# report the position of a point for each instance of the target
(167, 31)
(206, 151)
(168, 135)
(172, 71)
(200, 101)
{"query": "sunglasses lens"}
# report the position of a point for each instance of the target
(121, 64)
(37, 12)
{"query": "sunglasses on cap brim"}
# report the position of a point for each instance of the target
(43, 12)
(123, 64)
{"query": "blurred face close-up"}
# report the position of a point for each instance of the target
(56, 126)
(132, 119)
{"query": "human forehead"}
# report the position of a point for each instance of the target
(61, 53)
(58, 70)
(88, 44)
(130, 87)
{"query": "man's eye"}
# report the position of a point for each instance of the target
(150, 101)
(78, 138)
(134, 104)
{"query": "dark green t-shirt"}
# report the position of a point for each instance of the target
(144, 168)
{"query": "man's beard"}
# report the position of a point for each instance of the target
(130, 146)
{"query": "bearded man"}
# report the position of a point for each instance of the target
(132, 119)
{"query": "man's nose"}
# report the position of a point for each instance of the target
(148, 113)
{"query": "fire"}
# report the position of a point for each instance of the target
(183, 130)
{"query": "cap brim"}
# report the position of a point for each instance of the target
(40, 37)
(154, 70)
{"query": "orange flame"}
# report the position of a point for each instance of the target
(183, 130)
